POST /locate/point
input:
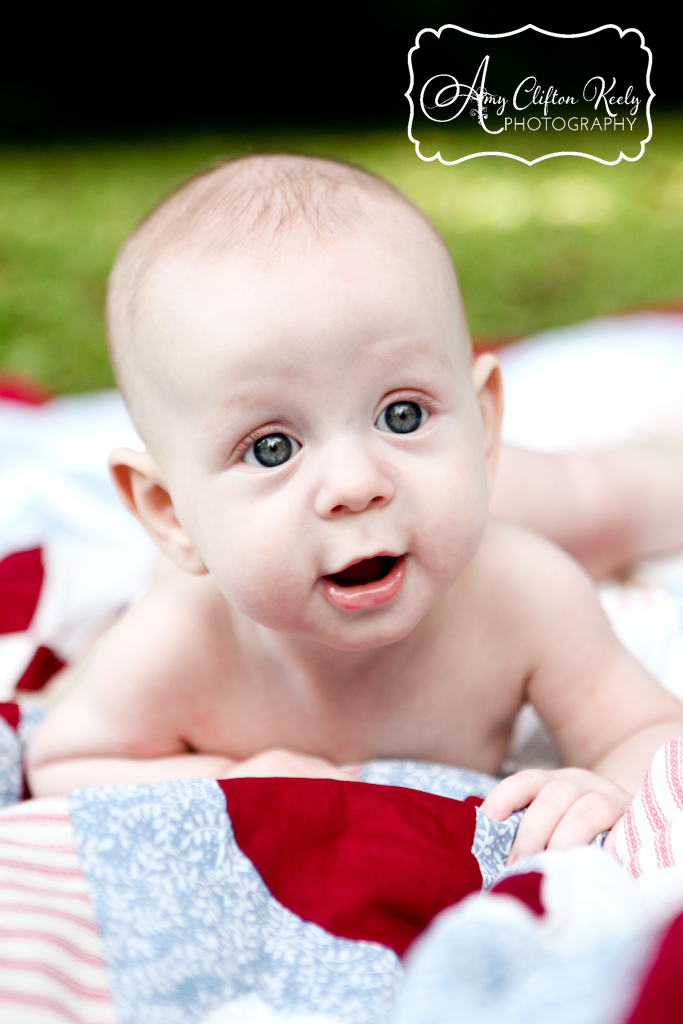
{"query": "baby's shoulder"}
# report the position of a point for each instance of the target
(536, 607)
(522, 571)
(142, 684)
(168, 641)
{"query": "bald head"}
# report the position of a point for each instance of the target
(264, 208)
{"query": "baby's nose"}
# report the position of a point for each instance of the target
(352, 481)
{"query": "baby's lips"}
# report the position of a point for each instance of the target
(366, 595)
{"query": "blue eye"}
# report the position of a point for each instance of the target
(271, 450)
(401, 418)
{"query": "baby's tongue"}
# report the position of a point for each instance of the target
(368, 571)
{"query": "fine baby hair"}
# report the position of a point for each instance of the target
(259, 205)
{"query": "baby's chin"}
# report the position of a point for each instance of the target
(366, 629)
(339, 631)
(366, 636)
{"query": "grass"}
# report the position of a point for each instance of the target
(534, 246)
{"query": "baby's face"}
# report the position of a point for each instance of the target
(316, 426)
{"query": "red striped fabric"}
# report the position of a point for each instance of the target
(9, 997)
(51, 956)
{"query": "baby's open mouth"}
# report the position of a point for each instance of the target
(365, 584)
(369, 570)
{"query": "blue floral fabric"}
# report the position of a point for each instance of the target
(189, 925)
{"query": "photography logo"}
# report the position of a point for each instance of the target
(530, 94)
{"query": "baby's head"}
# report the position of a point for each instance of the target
(288, 335)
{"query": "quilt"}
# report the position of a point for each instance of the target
(312, 901)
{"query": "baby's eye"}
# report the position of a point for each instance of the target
(271, 450)
(402, 417)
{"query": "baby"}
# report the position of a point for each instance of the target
(289, 338)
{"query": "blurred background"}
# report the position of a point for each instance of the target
(96, 125)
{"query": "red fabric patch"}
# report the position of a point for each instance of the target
(10, 712)
(18, 389)
(661, 998)
(42, 667)
(476, 801)
(526, 888)
(21, 577)
(363, 861)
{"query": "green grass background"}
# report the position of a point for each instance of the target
(533, 246)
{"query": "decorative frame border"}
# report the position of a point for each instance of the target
(511, 156)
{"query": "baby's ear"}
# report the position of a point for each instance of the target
(140, 485)
(488, 387)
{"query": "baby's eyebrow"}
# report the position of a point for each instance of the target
(261, 399)
(422, 357)
(239, 403)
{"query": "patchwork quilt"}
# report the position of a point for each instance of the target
(265, 901)
(311, 900)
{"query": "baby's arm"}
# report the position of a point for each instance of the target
(607, 714)
(124, 717)
(608, 507)
(57, 777)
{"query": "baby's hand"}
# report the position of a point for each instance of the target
(279, 763)
(568, 807)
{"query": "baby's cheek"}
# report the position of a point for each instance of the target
(451, 532)
(260, 581)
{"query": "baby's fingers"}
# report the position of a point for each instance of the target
(567, 807)
(515, 792)
(287, 763)
(587, 818)
(542, 819)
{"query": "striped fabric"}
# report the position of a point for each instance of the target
(51, 966)
(650, 836)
